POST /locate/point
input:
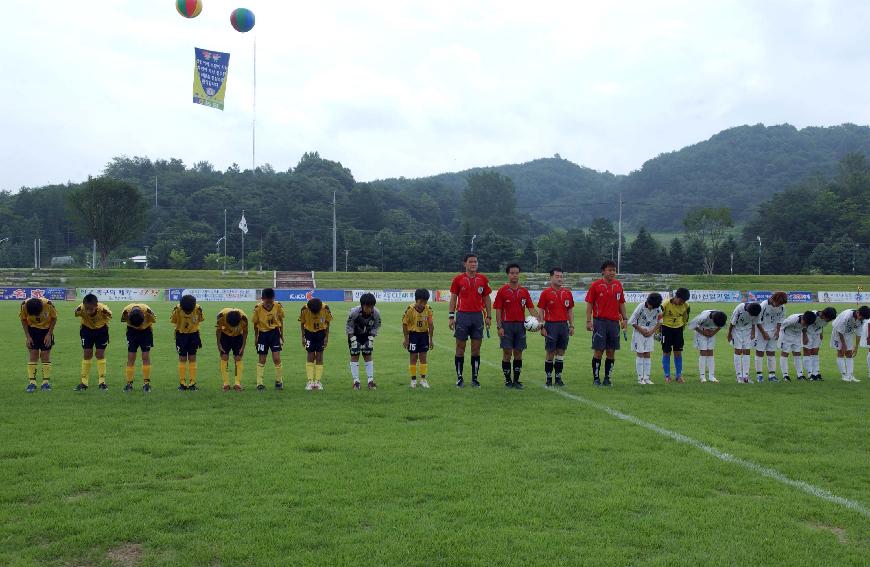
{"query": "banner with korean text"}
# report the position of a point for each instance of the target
(210, 77)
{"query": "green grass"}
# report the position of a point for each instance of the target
(411, 477)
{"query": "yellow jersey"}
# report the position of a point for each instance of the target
(228, 329)
(417, 321)
(186, 322)
(268, 319)
(98, 320)
(318, 322)
(41, 321)
(150, 317)
(675, 316)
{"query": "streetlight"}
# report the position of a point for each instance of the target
(2, 240)
(217, 245)
(472, 241)
(759, 254)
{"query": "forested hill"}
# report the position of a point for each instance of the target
(739, 168)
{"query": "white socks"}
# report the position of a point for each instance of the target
(841, 365)
(771, 365)
(738, 365)
(708, 364)
(354, 371)
(370, 370)
(647, 366)
(799, 365)
(746, 367)
(850, 366)
(639, 367)
(702, 367)
(759, 364)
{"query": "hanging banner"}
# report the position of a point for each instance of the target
(715, 296)
(122, 293)
(22, 293)
(207, 294)
(861, 297)
(210, 77)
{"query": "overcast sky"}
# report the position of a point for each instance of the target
(399, 88)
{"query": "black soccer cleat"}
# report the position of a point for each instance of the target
(607, 382)
(279, 385)
(192, 388)
(548, 383)
(475, 383)
(508, 384)
(80, 388)
(182, 388)
(146, 387)
(103, 386)
(261, 387)
(596, 382)
(460, 383)
(559, 383)
(518, 385)
(128, 387)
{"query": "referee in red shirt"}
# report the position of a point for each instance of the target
(557, 306)
(510, 305)
(605, 314)
(470, 308)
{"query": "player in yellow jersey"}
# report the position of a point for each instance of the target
(675, 316)
(187, 316)
(231, 332)
(140, 321)
(94, 333)
(268, 324)
(419, 330)
(38, 318)
(314, 321)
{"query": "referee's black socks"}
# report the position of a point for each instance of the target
(459, 362)
(558, 365)
(548, 369)
(518, 368)
(608, 367)
(596, 367)
(475, 367)
(506, 370)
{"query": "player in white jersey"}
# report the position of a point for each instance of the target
(646, 321)
(741, 336)
(864, 340)
(815, 334)
(706, 325)
(845, 330)
(767, 334)
(792, 338)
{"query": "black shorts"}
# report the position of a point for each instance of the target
(38, 336)
(91, 338)
(418, 342)
(187, 343)
(140, 339)
(605, 334)
(557, 335)
(672, 339)
(314, 340)
(363, 346)
(232, 344)
(514, 335)
(469, 325)
(269, 340)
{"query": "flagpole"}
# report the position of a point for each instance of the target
(254, 114)
(243, 243)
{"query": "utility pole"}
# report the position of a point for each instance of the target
(619, 236)
(346, 252)
(473, 236)
(759, 254)
(334, 235)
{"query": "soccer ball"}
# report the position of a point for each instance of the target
(532, 324)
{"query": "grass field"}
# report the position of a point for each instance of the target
(439, 477)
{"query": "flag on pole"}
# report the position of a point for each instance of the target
(243, 224)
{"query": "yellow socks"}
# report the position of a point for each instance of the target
(128, 372)
(191, 365)
(225, 372)
(261, 368)
(318, 372)
(46, 371)
(309, 371)
(86, 370)
(31, 372)
(182, 372)
(278, 374)
(239, 367)
(146, 372)
(412, 371)
(101, 370)
(424, 370)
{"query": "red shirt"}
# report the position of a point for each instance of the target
(471, 291)
(605, 299)
(555, 303)
(512, 302)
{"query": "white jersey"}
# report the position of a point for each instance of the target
(644, 317)
(792, 326)
(703, 321)
(770, 316)
(815, 330)
(846, 323)
(741, 319)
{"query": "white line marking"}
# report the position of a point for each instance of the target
(722, 455)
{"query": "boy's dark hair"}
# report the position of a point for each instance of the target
(753, 309)
(507, 269)
(830, 313)
(682, 293)
(781, 297)
(467, 256)
(33, 306)
(367, 299)
(315, 305)
(234, 317)
(808, 317)
(608, 264)
(554, 270)
(136, 317)
(90, 299)
(421, 294)
(864, 312)
(267, 293)
(654, 300)
(719, 318)
(187, 303)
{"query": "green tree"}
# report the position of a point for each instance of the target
(602, 240)
(109, 211)
(677, 258)
(706, 229)
(644, 255)
(178, 258)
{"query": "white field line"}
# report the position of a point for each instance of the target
(810, 489)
